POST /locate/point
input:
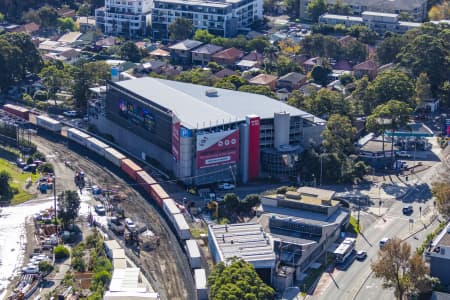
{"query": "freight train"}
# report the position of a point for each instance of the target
(171, 209)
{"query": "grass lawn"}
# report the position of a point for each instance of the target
(18, 180)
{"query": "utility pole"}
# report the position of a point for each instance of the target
(54, 198)
(321, 168)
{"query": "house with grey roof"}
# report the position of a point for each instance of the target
(291, 81)
(181, 53)
(202, 55)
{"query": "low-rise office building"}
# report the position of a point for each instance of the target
(376, 21)
(303, 225)
(247, 241)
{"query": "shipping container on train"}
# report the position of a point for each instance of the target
(130, 168)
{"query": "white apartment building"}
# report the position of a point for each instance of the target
(128, 18)
(222, 17)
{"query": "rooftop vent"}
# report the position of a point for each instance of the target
(211, 93)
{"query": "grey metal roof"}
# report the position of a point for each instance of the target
(196, 110)
(207, 49)
(185, 45)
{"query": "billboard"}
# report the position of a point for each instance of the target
(253, 147)
(218, 148)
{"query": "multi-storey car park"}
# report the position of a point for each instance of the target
(206, 135)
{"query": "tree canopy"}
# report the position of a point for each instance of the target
(181, 29)
(237, 280)
(68, 206)
(441, 191)
(130, 51)
(203, 36)
(339, 135)
(405, 273)
(316, 8)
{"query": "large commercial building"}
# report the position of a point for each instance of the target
(417, 9)
(128, 18)
(205, 135)
(222, 17)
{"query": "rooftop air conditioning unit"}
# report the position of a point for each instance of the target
(211, 93)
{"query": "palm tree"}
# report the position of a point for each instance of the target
(270, 54)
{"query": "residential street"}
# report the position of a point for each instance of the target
(357, 281)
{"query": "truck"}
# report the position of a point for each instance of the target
(115, 225)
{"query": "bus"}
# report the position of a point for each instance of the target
(344, 250)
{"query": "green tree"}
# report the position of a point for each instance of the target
(45, 267)
(66, 24)
(258, 44)
(399, 270)
(296, 99)
(355, 52)
(444, 94)
(11, 65)
(423, 89)
(362, 98)
(48, 17)
(6, 193)
(224, 84)
(286, 65)
(54, 78)
(398, 114)
(219, 41)
(270, 54)
(326, 102)
(129, 51)
(363, 34)
(68, 206)
(340, 8)
(427, 54)
(31, 16)
(441, 191)
(28, 58)
(360, 169)
(203, 35)
(61, 252)
(316, 8)
(320, 74)
(391, 84)
(338, 135)
(2, 18)
(237, 280)
(215, 67)
(232, 202)
(197, 76)
(181, 29)
(257, 89)
(85, 77)
(389, 48)
(83, 10)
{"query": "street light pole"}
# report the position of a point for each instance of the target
(54, 198)
(321, 168)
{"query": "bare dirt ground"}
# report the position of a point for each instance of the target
(167, 265)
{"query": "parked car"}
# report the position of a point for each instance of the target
(100, 209)
(226, 186)
(20, 163)
(361, 255)
(403, 154)
(30, 269)
(130, 224)
(30, 168)
(407, 210)
(70, 113)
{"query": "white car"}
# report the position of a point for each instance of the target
(70, 113)
(403, 154)
(30, 269)
(226, 186)
(130, 224)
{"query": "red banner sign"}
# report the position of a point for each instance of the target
(218, 148)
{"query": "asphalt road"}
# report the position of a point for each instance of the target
(357, 281)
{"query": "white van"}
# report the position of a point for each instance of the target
(383, 242)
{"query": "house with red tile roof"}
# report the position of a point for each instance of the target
(265, 80)
(369, 68)
(29, 28)
(228, 56)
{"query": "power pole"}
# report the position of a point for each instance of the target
(54, 198)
